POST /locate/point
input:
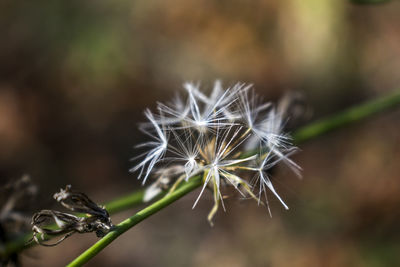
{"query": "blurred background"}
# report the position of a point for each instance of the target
(75, 77)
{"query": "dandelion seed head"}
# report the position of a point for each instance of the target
(229, 137)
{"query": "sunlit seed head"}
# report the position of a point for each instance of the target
(219, 136)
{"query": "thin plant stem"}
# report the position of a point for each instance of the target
(303, 134)
(135, 219)
(346, 117)
(124, 203)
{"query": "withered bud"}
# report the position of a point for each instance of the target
(97, 218)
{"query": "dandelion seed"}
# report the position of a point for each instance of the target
(212, 114)
(267, 125)
(172, 114)
(187, 150)
(264, 181)
(156, 153)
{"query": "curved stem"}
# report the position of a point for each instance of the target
(303, 134)
(135, 219)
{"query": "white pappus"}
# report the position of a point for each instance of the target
(229, 138)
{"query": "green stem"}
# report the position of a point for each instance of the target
(124, 203)
(303, 134)
(346, 117)
(135, 219)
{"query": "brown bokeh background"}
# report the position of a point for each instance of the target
(75, 77)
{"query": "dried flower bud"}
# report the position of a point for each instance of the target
(97, 219)
(79, 202)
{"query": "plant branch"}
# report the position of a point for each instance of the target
(305, 133)
(135, 219)
(346, 117)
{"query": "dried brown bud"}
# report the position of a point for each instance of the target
(97, 219)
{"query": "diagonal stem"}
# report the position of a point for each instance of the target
(135, 219)
(305, 133)
(346, 117)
